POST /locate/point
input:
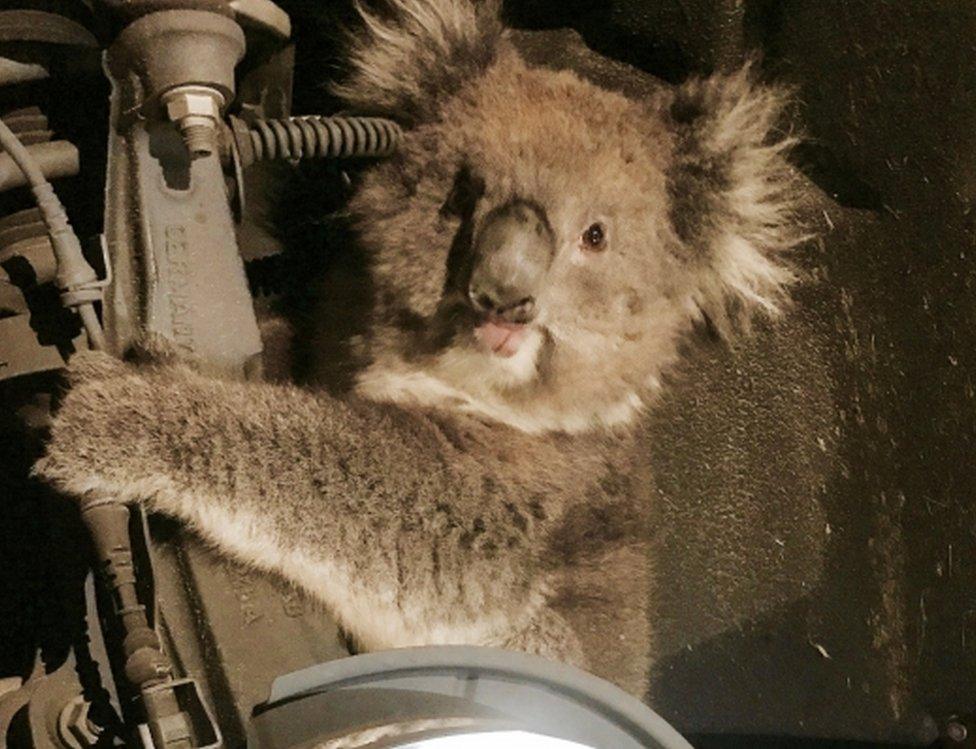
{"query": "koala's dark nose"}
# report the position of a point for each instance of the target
(512, 253)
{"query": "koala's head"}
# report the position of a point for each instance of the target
(540, 245)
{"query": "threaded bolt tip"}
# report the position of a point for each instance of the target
(200, 140)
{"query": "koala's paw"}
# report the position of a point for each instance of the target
(100, 425)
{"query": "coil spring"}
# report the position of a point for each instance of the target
(315, 136)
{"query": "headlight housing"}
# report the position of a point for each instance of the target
(450, 697)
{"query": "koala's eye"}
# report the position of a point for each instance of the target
(595, 238)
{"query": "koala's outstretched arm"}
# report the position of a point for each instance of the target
(406, 526)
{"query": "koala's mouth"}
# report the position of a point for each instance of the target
(500, 337)
(506, 335)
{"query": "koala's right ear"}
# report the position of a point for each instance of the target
(735, 199)
(406, 60)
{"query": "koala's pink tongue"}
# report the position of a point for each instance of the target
(502, 338)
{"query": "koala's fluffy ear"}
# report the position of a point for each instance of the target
(410, 54)
(734, 198)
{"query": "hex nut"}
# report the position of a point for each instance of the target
(196, 112)
(193, 101)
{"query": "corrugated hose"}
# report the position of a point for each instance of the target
(315, 136)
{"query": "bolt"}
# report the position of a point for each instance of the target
(956, 731)
(199, 138)
(196, 112)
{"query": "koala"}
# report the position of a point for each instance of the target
(462, 466)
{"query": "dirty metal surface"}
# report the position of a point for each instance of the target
(233, 628)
